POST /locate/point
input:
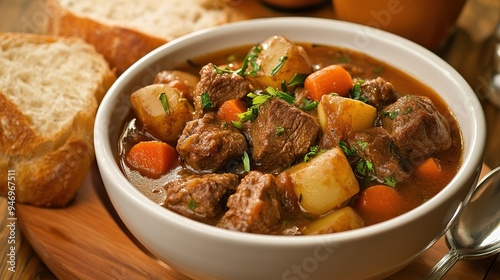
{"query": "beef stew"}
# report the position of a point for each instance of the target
(263, 146)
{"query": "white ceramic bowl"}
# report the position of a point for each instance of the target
(205, 252)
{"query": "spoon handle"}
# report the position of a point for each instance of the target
(442, 267)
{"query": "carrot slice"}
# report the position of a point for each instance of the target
(429, 169)
(152, 158)
(379, 203)
(330, 79)
(230, 109)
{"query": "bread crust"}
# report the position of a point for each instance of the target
(49, 171)
(120, 46)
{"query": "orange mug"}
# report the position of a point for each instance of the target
(293, 4)
(426, 22)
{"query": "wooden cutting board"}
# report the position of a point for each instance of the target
(87, 240)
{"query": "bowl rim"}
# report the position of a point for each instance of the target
(471, 162)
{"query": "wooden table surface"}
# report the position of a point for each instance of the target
(471, 58)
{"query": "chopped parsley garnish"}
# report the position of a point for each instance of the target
(393, 149)
(379, 69)
(392, 115)
(192, 204)
(257, 100)
(346, 149)
(164, 103)
(313, 151)
(308, 104)
(283, 86)
(364, 167)
(280, 130)
(246, 161)
(298, 79)
(356, 92)
(391, 182)
(280, 94)
(237, 124)
(251, 59)
(231, 58)
(249, 114)
(206, 103)
(344, 59)
(362, 145)
(224, 70)
(278, 67)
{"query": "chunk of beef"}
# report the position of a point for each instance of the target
(206, 144)
(280, 135)
(415, 125)
(255, 206)
(289, 201)
(378, 93)
(218, 87)
(200, 197)
(375, 146)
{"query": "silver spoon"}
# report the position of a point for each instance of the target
(475, 233)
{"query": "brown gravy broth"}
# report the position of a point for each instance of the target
(414, 190)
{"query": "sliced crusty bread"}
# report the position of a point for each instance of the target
(50, 88)
(124, 31)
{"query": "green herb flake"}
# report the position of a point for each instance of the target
(280, 130)
(246, 116)
(394, 150)
(251, 58)
(192, 204)
(392, 115)
(283, 86)
(280, 94)
(346, 149)
(297, 80)
(164, 103)
(278, 67)
(252, 95)
(231, 58)
(308, 105)
(362, 145)
(378, 70)
(364, 167)
(260, 99)
(391, 182)
(357, 93)
(313, 151)
(221, 71)
(237, 124)
(344, 59)
(206, 103)
(246, 161)
(285, 96)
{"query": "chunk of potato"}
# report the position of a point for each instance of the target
(164, 124)
(345, 113)
(323, 183)
(183, 81)
(283, 57)
(338, 220)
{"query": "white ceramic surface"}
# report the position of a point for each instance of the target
(206, 252)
